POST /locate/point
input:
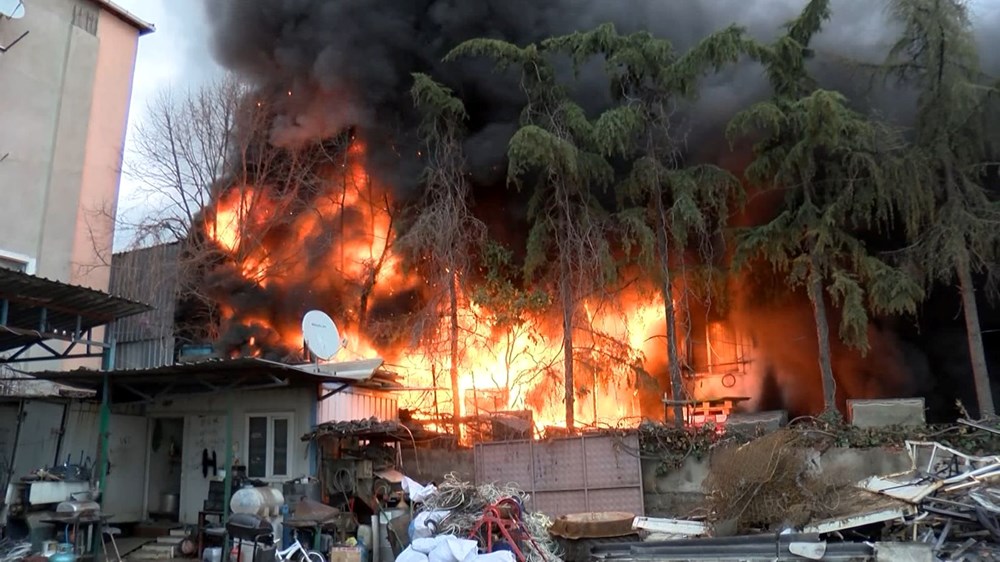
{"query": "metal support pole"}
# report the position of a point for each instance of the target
(228, 492)
(104, 436)
(13, 451)
(107, 363)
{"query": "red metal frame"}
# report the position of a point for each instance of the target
(504, 517)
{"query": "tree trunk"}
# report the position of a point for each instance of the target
(670, 315)
(568, 309)
(456, 397)
(823, 339)
(977, 355)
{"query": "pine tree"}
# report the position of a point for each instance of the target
(444, 233)
(841, 173)
(664, 202)
(553, 154)
(936, 54)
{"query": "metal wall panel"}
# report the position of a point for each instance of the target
(148, 275)
(568, 475)
(357, 404)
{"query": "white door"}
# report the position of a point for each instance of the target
(124, 490)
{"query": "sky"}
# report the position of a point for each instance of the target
(176, 56)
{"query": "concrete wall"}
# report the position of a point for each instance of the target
(105, 142)
(677, 492)
(65, 90)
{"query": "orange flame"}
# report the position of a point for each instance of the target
(500, 369)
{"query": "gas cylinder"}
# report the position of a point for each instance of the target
(63, 554)
(262, 501)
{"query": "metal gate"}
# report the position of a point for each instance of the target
(589, 473)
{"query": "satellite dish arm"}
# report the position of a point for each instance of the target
(4, 49)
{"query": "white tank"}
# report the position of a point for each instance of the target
(262, 502)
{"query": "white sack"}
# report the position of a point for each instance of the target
(498, 556)
(454, 549)
(410, 555)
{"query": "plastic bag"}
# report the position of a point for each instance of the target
(418, 492)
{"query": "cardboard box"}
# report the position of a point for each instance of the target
(345, 554)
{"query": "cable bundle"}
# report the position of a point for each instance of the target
(466, 503)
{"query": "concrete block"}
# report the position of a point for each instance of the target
(763, 421)
(887, 412)
(903, 552)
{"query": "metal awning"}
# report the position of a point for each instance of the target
(35, 310)
(212, 376)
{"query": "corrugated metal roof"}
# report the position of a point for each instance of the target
(211, 375)
(28, 296)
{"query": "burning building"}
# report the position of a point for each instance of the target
(332, 159)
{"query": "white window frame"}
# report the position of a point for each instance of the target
(269, 453)
(28, 261)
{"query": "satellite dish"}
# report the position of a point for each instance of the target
(13, 9)
(321, 334)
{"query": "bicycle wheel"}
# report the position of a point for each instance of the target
(313, 556)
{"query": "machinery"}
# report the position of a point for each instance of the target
(32, 506)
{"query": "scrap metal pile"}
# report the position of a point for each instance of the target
(954, 497)
(457, 516)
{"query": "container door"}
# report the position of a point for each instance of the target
(204, 440)
(124, 490)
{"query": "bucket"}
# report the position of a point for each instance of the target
(168, 503)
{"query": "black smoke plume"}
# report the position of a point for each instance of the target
(349, 63)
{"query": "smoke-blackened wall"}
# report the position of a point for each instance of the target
(339, 63)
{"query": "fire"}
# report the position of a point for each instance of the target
(501, 368)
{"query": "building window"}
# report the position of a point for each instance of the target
(269, 445)
(17, 262)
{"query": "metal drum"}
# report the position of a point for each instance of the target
(78, 507)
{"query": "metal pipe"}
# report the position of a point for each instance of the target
(62, 434)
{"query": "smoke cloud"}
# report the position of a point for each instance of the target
(349, 63)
